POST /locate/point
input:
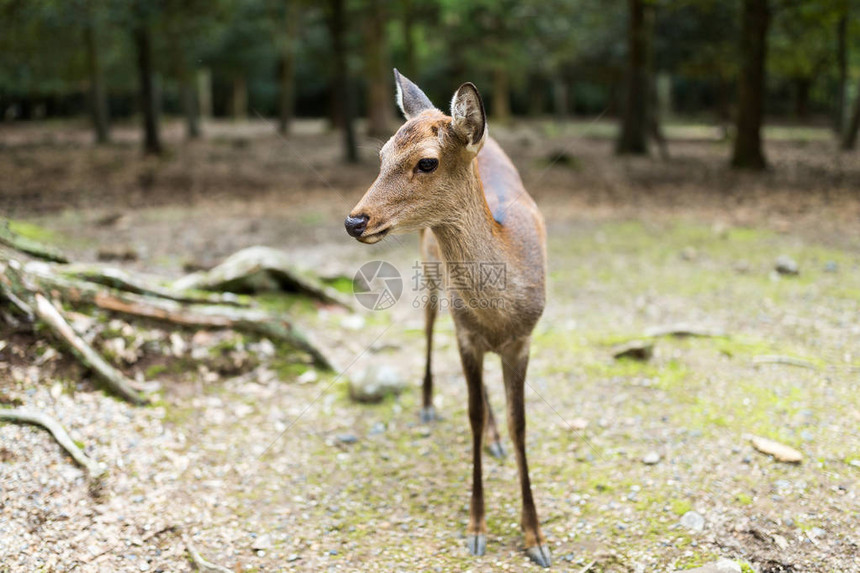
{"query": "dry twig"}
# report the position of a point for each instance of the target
(94, 470)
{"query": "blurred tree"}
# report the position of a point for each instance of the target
(755, 19)
(98, 95)
(841, 67)
(287, 41)
(142, 16)
(849, 137)
(800, 47)
(377, 69)
(186, 23)
(341, 79)
(633, 135)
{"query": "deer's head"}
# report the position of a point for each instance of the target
(424, 166)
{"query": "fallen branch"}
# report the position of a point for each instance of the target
(124, 281)
(116, 381)
(201, 564)
(681, 330)
(786, 360)
(29, 246)
(94, 470)
(201, 316)
(260, 268)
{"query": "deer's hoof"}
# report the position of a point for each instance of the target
(497, 450)
(477, 544)
(428, 414)
(540, 555)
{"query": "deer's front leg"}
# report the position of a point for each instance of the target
(473, 363)
(515, 360)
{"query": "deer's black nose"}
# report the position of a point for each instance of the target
(355, 226)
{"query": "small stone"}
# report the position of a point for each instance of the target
(375, 382)
(352, 322)
(262, 542)
(377, 428)
(689, 253)
(308, 376)
(693, 521)
(780, 541)
(578, 424)
(641, 350)
(651, 458)
(785, 265)
(720, 566)
(293, 557)
(815, 533)
(831, 267)
(347, 438)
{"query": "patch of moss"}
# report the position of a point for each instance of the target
(680, 506)
(155, 371)
(340, 283)
(32, 231)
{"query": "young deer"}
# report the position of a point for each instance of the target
(444, 177)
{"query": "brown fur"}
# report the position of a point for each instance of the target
(472, 208)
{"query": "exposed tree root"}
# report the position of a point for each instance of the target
(261, 268)
(94, 470)
(28, 246)
(50, 315)
(786, 360)
(202, 316)
(124, 281)
(201, 564)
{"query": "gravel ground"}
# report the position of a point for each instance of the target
(636, 466)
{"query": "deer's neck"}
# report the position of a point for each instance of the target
(471, 235)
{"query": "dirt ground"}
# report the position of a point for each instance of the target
(267, 465)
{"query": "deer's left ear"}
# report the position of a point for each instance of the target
(470, 119)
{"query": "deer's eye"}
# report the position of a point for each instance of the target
(427, 165)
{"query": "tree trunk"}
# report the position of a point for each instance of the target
(149, 105)
(748, 152)
(204, 93)
(377, 72)
(560, 103)
(536, 94)
(240, 96)
(633, 136)
(501, 95)
(849, 139)
(409, 38)
(801, 97)
(340, 82)
(842, 71)
(98, 97)
(288, 67)
(188, 93)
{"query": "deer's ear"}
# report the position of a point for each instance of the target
(470, 119)
(410, 99)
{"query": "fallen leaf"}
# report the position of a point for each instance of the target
(780, 452)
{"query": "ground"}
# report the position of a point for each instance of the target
(267, 467)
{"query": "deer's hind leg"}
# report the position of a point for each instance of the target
(494, 440)
(428, 411)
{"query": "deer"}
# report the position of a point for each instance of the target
(445, 178)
